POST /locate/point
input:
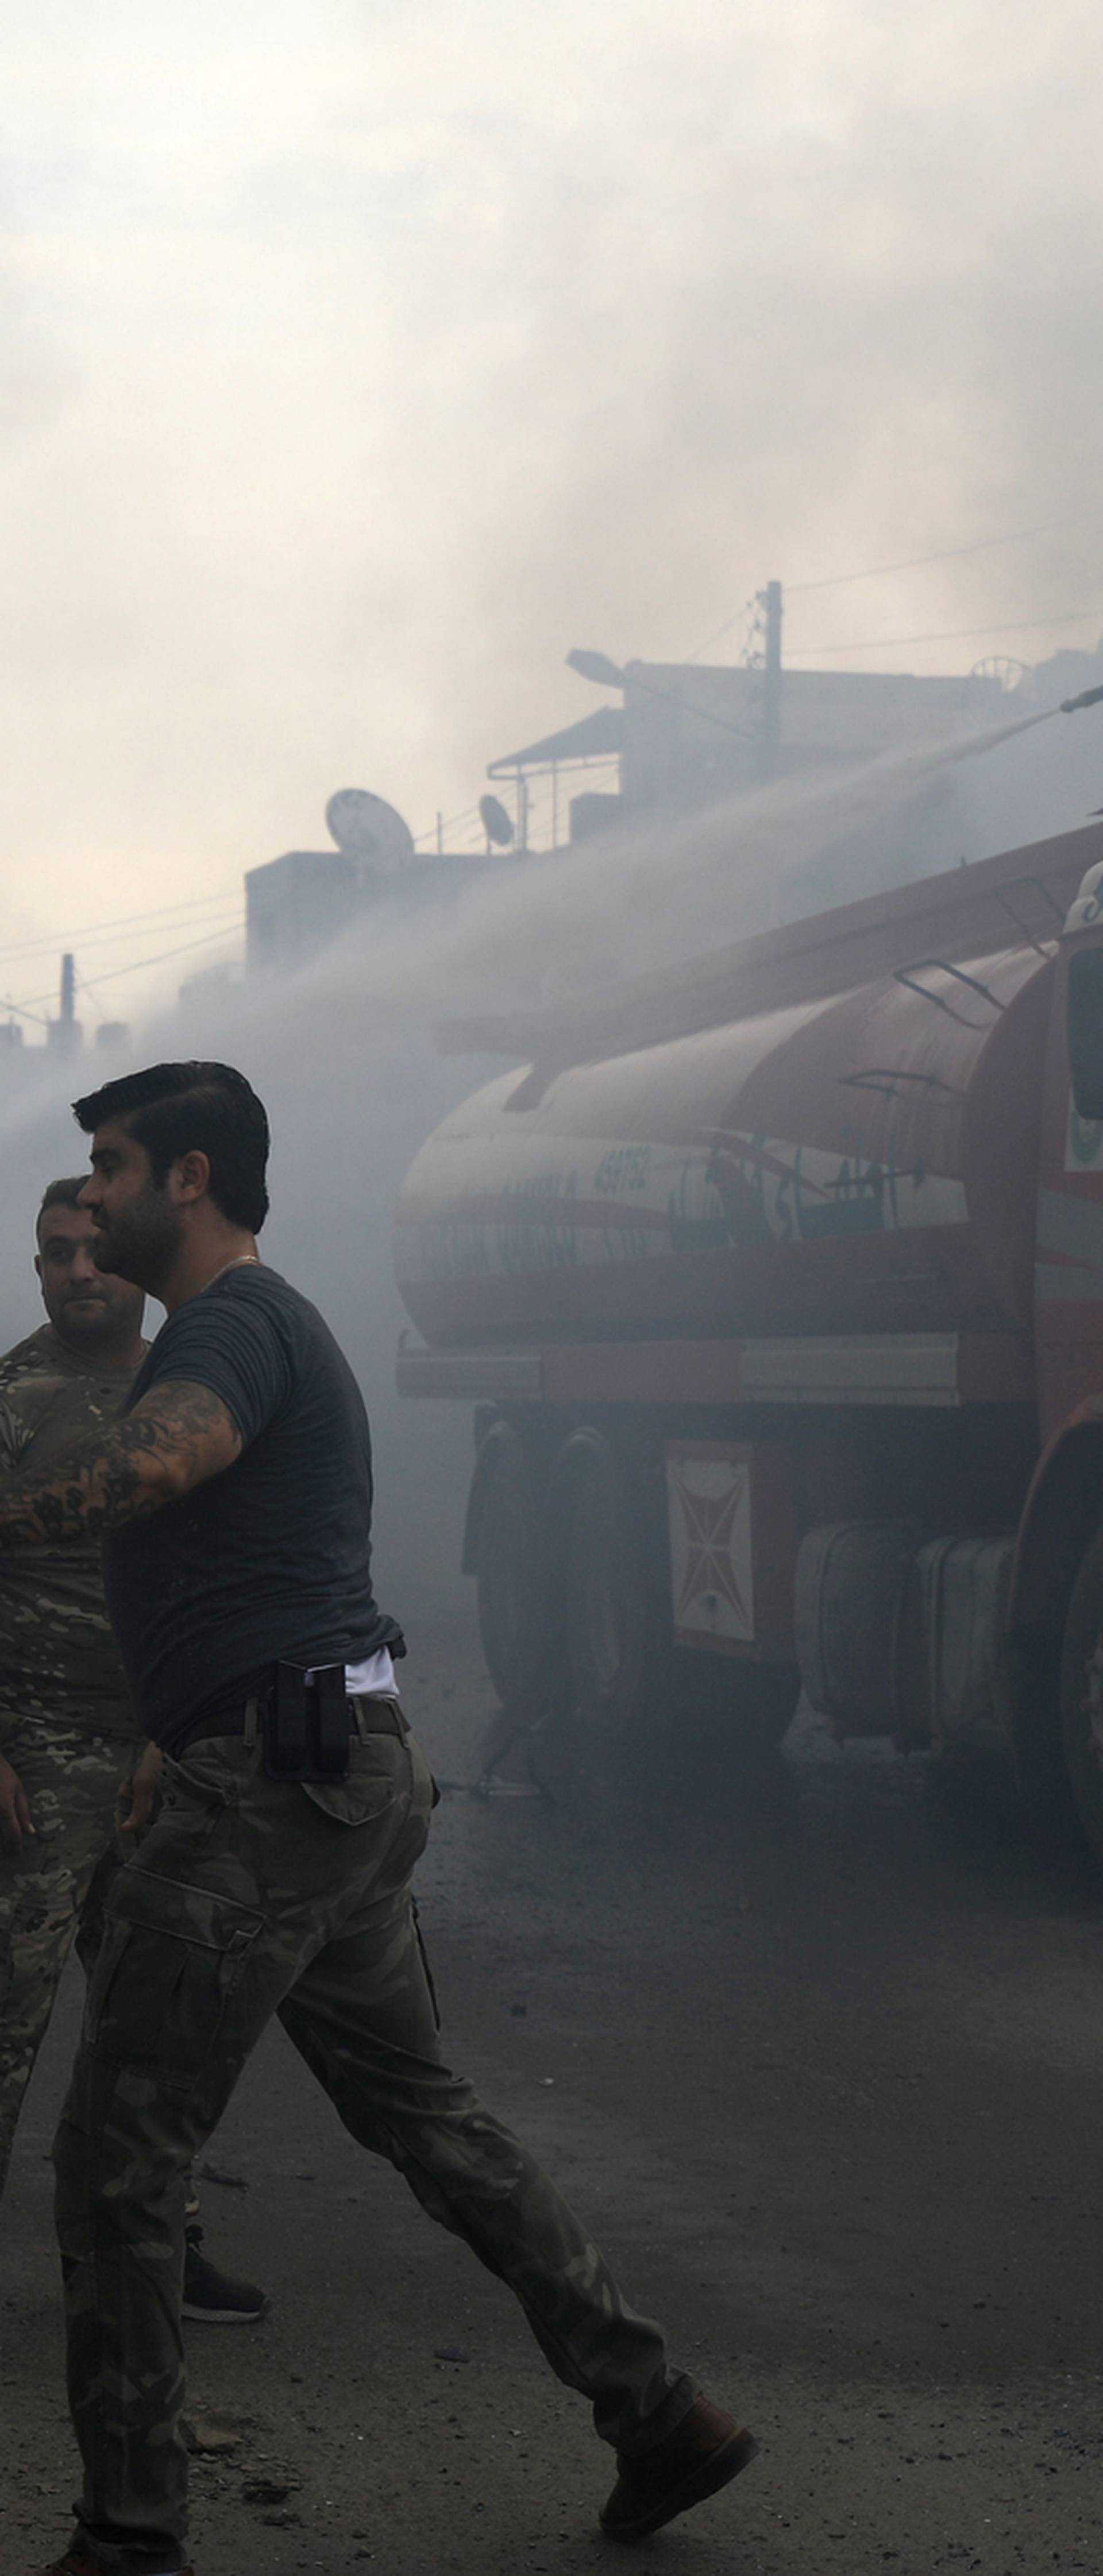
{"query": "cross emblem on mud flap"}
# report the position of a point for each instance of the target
(705, 1560)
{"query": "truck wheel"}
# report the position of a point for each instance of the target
(1082, 1694)
(606, 1652)
(509, 1561)
(604, 1596)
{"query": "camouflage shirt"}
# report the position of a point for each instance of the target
(57, 1654)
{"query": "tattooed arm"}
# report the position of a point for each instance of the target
(176, 1437)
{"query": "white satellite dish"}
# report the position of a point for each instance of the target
(366, 828)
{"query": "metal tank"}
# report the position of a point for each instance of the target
(776, 1282)
(857, 1161)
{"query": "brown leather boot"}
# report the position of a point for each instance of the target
(704, 2452)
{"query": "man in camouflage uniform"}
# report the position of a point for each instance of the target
(67, 1728)
(235, 1497)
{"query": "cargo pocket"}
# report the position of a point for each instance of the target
(170, 1963)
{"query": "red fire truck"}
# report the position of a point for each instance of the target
(777, 1283)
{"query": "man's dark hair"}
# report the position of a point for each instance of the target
(60, 1194)
(175, 1109)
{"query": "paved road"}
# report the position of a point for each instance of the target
(826, 2075)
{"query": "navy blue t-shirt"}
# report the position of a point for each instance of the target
(270, 1561)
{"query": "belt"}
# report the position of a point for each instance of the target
(373, 1717)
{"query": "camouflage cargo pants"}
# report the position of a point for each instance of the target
(72, 1781)
(251, 1897)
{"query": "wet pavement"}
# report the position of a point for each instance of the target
(819, 2058)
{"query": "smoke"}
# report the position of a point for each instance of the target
(403, 347)
(369, 356)
(344, 1052)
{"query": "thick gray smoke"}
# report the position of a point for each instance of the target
(344, 1054)
(368, 357)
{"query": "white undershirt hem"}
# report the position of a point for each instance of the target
(373, 1678)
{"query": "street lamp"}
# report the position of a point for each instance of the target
(595, 666)
(608, 675)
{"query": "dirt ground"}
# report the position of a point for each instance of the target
(825, 2072)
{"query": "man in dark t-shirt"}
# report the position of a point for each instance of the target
(271, 1561)
(234, 1496)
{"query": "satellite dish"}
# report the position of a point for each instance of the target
(495, 822)
(366, 828)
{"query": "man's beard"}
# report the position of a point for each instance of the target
(96, 1321)
(84, 1314)
(142, 1242)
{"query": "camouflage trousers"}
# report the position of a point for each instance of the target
(250, 1897)
(72, 1781)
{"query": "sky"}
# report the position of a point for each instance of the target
(361, 357)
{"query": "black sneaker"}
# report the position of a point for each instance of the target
(211, 2298)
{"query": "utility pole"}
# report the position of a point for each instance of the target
(770, 737)
(64, 1032)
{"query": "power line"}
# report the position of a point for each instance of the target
(90, 983)
(446, 824)
(915, 563)
(948, 554)
(230, 914)
(23, 1011)
(958, 634)
(166, 913)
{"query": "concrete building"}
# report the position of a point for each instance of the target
(681, 737)
(688, 735)
(297, 904)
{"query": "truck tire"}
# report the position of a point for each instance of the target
(1082, 1695)
(606, 1655)
(508, 1552)
(604, 1592)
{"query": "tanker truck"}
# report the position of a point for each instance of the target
(776, 1283)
